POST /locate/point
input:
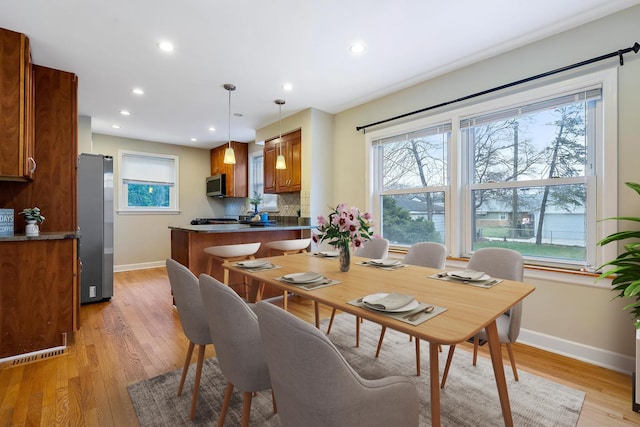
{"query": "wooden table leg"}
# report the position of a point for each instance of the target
(498, 371)
(316, 309)
(254, 286)
(434, 377)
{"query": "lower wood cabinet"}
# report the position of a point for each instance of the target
(39, 299)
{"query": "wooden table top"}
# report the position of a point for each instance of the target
(469, 308)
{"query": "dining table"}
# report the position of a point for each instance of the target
(462, 310)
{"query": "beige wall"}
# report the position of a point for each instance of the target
(567, 313)
(143, 240)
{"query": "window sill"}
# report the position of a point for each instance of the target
(551, 274)
(147, 212)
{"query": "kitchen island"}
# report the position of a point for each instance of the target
(188, 243)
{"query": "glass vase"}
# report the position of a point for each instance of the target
(344, 256)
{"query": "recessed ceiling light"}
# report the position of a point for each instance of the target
(287, 86)
(137, 91)
(125, 113)
(357, 48)
(115, 126)
(193, 139)
(212, 129)
(166, 46)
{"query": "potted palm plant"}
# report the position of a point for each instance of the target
(625, 269)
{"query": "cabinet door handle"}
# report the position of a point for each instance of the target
(33, 169)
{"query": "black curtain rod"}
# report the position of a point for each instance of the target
(635, 48)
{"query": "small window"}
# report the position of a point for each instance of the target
(148, 182)
(256, 184)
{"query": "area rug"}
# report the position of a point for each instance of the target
(469, 399)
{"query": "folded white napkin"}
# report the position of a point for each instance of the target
(306, 277)
(467, 274)
(392, 301)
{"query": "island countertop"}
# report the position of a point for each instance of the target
(238, 228)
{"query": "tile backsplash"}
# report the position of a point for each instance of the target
(288, 205)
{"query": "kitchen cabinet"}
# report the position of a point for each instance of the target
(237, 176)
(283, 180)
(39, 294)
(16, 108)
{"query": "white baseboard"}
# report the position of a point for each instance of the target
(595, 356)
(141, 266)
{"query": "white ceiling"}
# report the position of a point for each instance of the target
(258, 45)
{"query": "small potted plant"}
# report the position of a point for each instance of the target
(255, 201)
(33, 217)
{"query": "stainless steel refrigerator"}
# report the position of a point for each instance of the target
(95, 223)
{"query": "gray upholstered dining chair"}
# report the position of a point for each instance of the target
(186, 294)
(376, 248)
(506, 264)
(236, 337)
(316, 386)
(424, 254)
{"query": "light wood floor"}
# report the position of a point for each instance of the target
(137, 335)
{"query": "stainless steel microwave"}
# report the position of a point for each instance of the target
(216, 185)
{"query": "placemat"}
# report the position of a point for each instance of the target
(481, 284)
(401, 316)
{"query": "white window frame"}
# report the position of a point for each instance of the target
(174, 198)
(269, 201)
(458, 227)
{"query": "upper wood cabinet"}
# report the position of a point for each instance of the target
(283, 180)
(237, 176)
(16, 108)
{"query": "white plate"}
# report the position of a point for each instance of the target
(453, 273)
(371, 299)
(384, 262)
(254, 263)
(308, 277)
(329, 253)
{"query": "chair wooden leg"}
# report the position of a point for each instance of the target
(196, 382)
(185, 369)
(357, 331)
(384, 329)
(452, 349)
(333, 314)
(512, 360)
(273, 402)
(225, 404)
(476, 342)
(418, 356)
(246, 408)
(284, 301)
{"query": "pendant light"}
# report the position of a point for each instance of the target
(229, 155)
(280, 162)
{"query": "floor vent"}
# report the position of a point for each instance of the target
(33, 357)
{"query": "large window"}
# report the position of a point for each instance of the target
(148, 182)
(530, 171)
(411, 175)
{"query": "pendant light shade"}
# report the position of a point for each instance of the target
(229, 155)
(280, 162)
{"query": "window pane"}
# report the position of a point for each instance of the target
(543, 144)
(410, 218)
(148, 195)
(549, 221)
(415, 160)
